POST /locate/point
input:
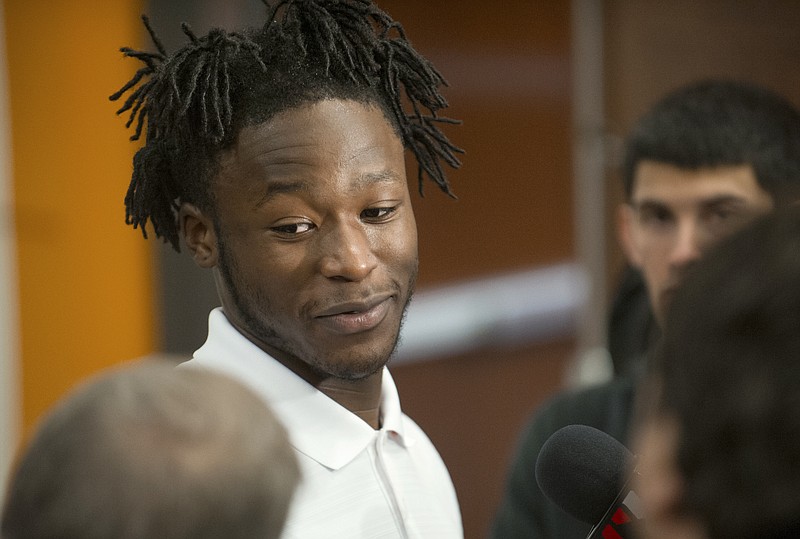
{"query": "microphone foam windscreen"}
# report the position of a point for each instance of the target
(582, 469)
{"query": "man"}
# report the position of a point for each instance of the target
(720, 429)
(706, 160)
(277, 155)
(151, 451)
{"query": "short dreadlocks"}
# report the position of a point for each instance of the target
(191, 104)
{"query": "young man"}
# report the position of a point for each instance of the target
(707, 159)
(277, 156)
(720, 426)
(147, 451)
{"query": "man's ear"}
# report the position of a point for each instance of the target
(199, 235)
(624, 220)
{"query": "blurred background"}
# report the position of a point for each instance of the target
(516, 275)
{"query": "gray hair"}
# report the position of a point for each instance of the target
(152, 451)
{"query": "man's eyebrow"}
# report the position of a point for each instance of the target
(724, 199)
(710, 201)
(647, 203)
(279, 187)
(373, 178)
(382, 176)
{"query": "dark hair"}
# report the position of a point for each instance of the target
(719, 123)
(728, 369)
(153, 451)
(192, 104)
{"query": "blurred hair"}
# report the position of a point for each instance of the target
(728, 369)
(152, 451)
(721, 123)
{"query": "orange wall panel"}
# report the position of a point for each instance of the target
(85, 278)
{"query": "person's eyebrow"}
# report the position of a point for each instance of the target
(710, 201)
(280, 187)
(384, 176)
(724, 199)
(647, 203)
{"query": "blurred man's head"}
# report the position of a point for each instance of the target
(704, 161)
(721, 429)
(153, 451)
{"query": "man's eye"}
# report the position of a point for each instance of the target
(378, 214)
(655, 216)
(293, 229)
(722, 214)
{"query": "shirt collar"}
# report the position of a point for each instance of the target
(318, 426)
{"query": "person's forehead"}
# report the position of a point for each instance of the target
(334, 140)
(324, 123)
(315, 120)
(655, 180)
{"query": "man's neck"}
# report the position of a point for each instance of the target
(362, 397)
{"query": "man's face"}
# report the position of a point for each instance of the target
(675, 214)
(316, 237)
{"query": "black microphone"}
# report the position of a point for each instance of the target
(585, 471)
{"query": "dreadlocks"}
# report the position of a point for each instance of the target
(192, 104)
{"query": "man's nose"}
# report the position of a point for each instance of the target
(688, 246)
(347, 253)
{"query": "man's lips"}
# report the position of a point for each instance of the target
(354, 317)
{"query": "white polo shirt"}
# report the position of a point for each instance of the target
(357, 482)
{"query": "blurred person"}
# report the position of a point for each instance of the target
(719, 432)
(276, 156)
(148, 451)
(707, 159)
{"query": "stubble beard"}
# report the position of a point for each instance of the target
(255, 310)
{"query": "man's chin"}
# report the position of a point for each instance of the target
(362, 360)
(353, 363)
(350, 370)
